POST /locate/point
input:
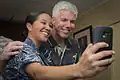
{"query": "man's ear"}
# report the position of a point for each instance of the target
(29, 26)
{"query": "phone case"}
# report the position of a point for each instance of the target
(103, 34)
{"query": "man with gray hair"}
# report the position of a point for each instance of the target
(60, 48)
(63, 52)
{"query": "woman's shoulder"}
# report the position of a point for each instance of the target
(28, 49)
(26, 55)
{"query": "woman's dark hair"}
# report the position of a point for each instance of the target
(30, 19)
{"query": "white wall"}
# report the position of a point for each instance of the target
(106, 14)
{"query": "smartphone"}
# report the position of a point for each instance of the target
(103, 34)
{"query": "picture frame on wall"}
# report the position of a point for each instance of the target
(84, 37)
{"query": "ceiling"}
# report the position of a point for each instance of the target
(17, 9)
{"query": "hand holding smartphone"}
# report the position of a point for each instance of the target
(103, 34)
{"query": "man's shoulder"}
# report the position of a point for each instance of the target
(3, 42)
(4, 39)
(28, 49)
(72, 41)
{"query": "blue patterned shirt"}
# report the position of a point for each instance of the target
(15, 69)
(45, 55)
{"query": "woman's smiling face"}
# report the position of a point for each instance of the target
(41, 27)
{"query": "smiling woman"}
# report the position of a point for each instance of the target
(38, 27)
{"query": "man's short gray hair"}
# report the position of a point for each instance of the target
(61, 5)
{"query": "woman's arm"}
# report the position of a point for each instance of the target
(38, 72)
(89, 65)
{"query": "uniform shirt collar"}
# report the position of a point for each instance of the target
(29, 42)
(53, 43)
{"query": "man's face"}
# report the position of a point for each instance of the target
(64, 23)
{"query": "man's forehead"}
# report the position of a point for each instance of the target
(67, 14)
